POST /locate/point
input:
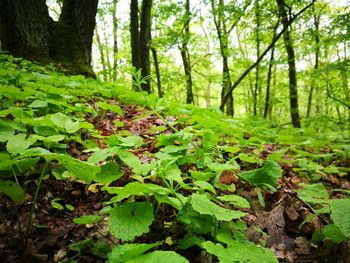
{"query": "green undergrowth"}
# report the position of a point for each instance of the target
(190, 181)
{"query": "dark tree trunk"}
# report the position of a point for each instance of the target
(26, 30)
(293, 91)
(134, 34)
(186, 55)
(268, 84)
(140, 34)
(145, 37)
(268, 107)
(156, 66)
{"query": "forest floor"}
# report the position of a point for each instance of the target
(289, 217)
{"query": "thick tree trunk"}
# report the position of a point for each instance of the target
(26, 30)
(145, 38)
(293, 90)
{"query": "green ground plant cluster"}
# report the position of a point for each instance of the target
(42, 111)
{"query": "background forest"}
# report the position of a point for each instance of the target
(202, 47)
(204, 131)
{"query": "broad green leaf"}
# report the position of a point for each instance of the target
(248, 159)
(204, 206)
(111, 107)
(122, 253)
(159, 257)
(205, 186)
(45, 130)
(130, 220)
(340, 214)
(102, 155)
(6, 133)
(131, 160)
(266, 175)
(19, 142)
(65, 122)
(313, 193)
(12, 190)
(82, 170)
(333, 233)
(129, 141)
(235, 200)
(240, 252)
(137, 189)
(220, 167)
(109, 173)
(87, 219)
(38, 104)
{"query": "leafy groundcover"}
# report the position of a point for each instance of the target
(93, 172)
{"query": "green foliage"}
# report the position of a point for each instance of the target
(175, 178)
(130, 220)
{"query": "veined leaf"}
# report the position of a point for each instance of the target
(266, 175)
(340, 215)
(12, 190)
(159, 257)
(204, 206)
(87, 219)
(122, 253)
(137, 189)
(240, 252)
(313, 193)
(129, 220)
(63, 121)
(235, 200)
(19, 142)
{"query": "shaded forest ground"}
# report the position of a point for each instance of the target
(283, 179)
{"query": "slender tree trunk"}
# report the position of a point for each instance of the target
(186, 55)
(255, 94)
(317, 55)
(145, 37)
(288, 42)
(102, 55)
(268, 84)
(156, 66)
(115, 41)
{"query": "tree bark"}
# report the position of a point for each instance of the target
(145, 37)
(267, 108)
(102, 55)
(257, 84)
(156, 66)
(288, 43)
(317, 56)
(115, 41)
(186, 55)
(27, 30)
(134, 37)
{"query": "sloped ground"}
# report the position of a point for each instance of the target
(174, 177)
